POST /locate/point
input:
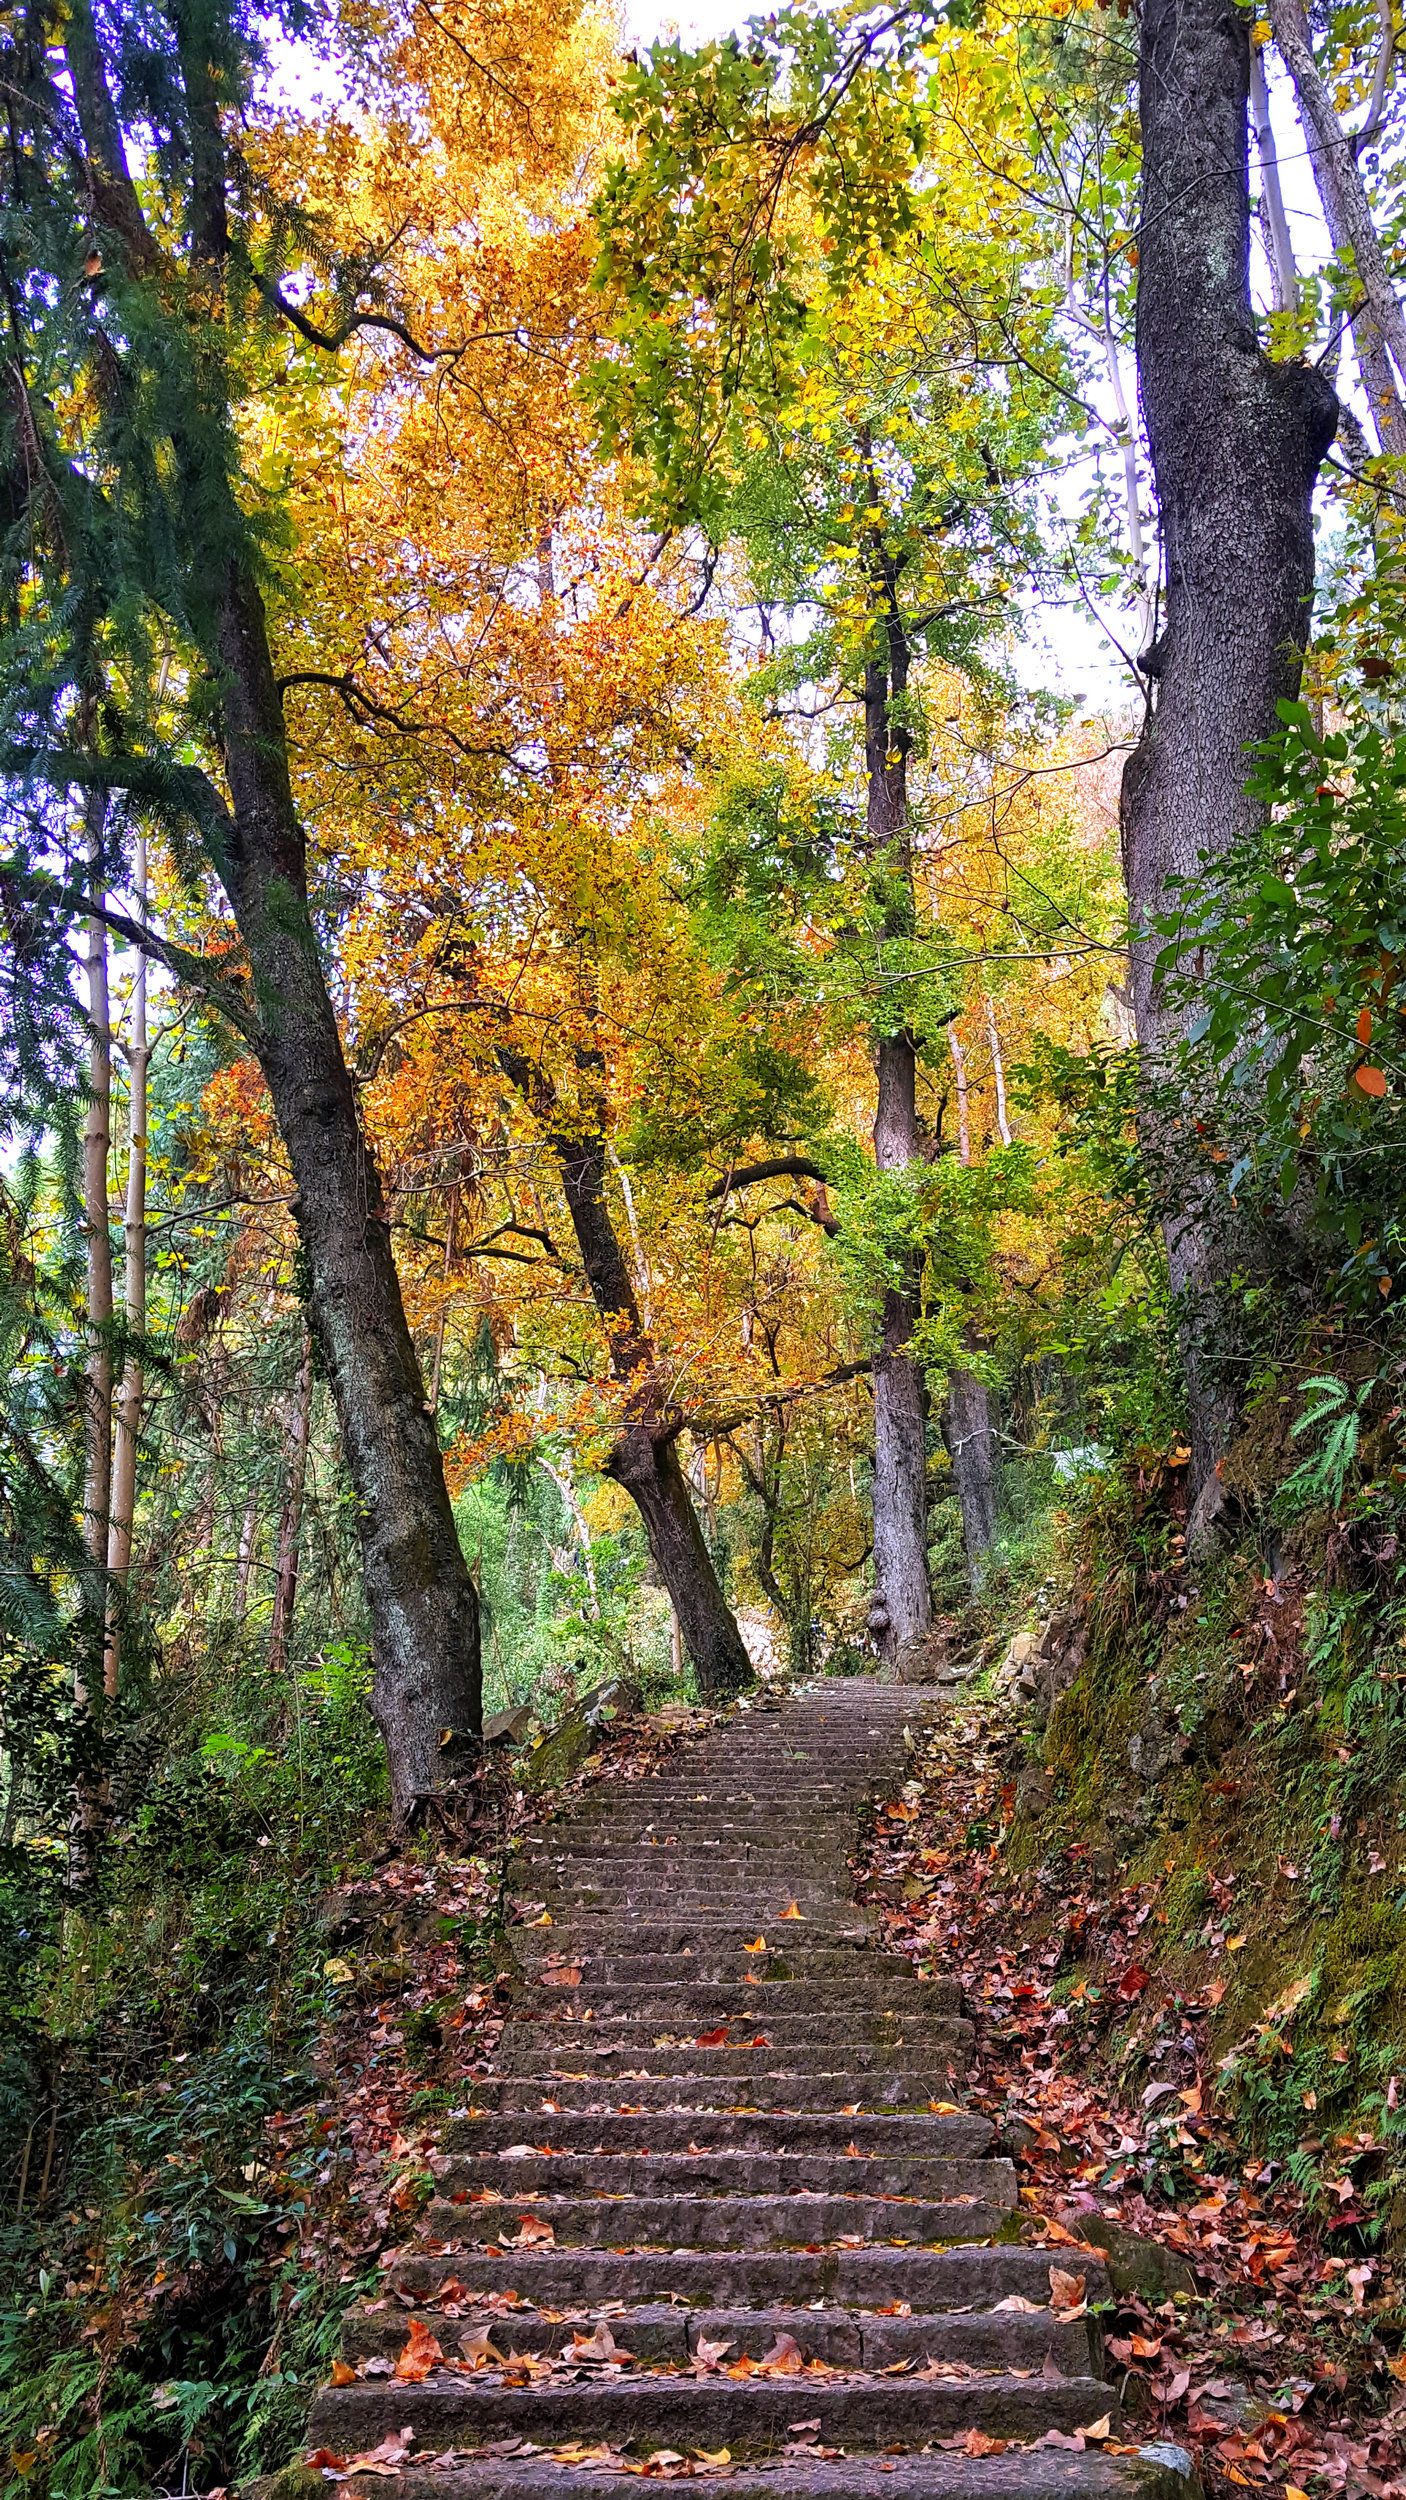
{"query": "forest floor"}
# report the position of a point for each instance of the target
(1285, 2364)
(1280, 2362)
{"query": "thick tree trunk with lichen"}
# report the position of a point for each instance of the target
(901, 1610)
(420, 1599)
(1236, 446)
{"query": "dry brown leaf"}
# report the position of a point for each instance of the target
(534, 2234)
(709, 2350)
(601, 2346)
(1066, 2292)
(477, 2347)
(981, 2444)
(785, 2354)
(420, 2354)
(563, 1975)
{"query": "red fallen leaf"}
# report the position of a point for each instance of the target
(318, 2457)
(420, 2354)
(761, 2041)
(712, 2039)
(1133, 1982)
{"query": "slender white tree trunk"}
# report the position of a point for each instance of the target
(959, 1062)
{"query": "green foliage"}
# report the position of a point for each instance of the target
(1290, 952)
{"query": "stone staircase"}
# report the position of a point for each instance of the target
(718, 2215)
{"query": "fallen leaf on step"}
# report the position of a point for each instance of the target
(420, 2354)
(759, 2040)
(945, 2109)
(897, 2369)
(751, 1978)
(534, 2234)
(477, 2347)
(1024, 2308)
(387, 2458)
(342, 2375)
(1050, 2369)
(793, 1910)
(1067, 2293)
(709, 2350)
(562, 1975)
(378, 2367)
(598, 2347)
(981, 2444)
(713, 2456)
(1094, 2430)
(904, 2309)
(785, 2354)
(852, 2150)
(318, 2457)
(758, 1947)
(804, 2426)
(519, 2152)
(712, 2039)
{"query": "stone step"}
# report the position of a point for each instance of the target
(729, 2173)
(679, 2221)
(943, 2051)
(645, 1933)
(660, 2131)
(451, 2409)
(726, 2093)
(848, 1971)
(1158, 2471)
(847, 2339)
(932, 2281)
(709, 2002)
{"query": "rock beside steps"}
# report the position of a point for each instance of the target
(720, 2215)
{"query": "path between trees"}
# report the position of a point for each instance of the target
(720, 2213)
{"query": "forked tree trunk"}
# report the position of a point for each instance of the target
(426, 1692)
(1236, 447)
(129, 1398)
(644, 1458)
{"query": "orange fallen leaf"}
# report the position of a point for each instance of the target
(534, 2234)
(792, 1910)
(758, 1947)
(785, 2354)
(562, 1975)
(421, 2353)
(981, 2444)
(342, 2375)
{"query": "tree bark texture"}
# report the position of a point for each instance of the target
(901, 1611)
(426, 1693)
(1236, 447)
(644, 1458)
(127, 1432)
(97, 1143)
(290, 1525)
(970, 1435)
(1379, 327)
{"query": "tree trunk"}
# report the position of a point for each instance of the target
(97, 1142)
(290, 1525)
(644, 1459)
(1379, 328)
(971, 1441)
(901, 1610)
(129, 1401)
(248, 1536)
(426, 1693)
(1236, 446)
